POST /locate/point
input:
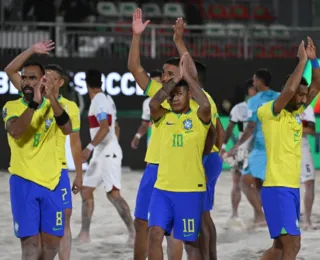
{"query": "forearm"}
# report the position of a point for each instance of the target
(21, 124)
(14, 66)
(142, 130)
(101, 134)
(220, 134)
(163, 93)
(117, 129)
(134, 64)
(248, 132)
(76, 149)
(228, 133)
(197, 93)
(181, 47)
(293, 82)
(58, 111)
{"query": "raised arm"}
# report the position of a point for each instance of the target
(188, 68)
(156, 110)
(134, 65)
(292, 83)
(61, 116)
(14, 66)
(315, 83)
(18, 125)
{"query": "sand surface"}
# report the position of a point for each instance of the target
(109, 233)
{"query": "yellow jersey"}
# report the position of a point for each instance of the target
(153, 152)
(73, 111)
(282, 134)
(34, 155)
(181, 147)
(153, 87)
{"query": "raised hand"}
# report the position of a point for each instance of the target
(311, 49)
(43, 47)
(137, 25)
(302, 54)
(37, 91)
(178, 29)
(48, 84)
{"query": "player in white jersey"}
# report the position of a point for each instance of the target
(105, 164)
(239, 117)
(307, 166)
(145, 126)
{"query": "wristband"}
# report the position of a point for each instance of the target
(62, 119)
(90, 147)
(33, 105)
(315, 64)
(223, 146)
(138, 135)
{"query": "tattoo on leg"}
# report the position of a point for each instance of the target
(123, 210)
(87, 210)
(30, 248)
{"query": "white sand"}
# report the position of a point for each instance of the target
(109, 233)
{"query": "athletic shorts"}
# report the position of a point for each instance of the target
(256, 164)
(105, 167)
(181, 211)
(307, 167)
(281, 207)
(35, 208)
(213, 168)
(145, 190)
(65, 188)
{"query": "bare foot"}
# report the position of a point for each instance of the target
(83, 238)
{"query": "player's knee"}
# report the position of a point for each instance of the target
(140, 225)
(113, 194)
(309, 185)
(31, 247)
(50, 242)
(87, 193)
(156, 235)
(191, 247)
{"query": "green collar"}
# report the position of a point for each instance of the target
(44, 101)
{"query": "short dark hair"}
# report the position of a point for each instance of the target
(202, 72)
(182, 83)
(93, 78)
(33, 63)
(249, 84)
(56, 68)
(303, 81)
(264, 75)
(173, 61)
(155, 73)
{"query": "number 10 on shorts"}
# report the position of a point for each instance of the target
(188, 225)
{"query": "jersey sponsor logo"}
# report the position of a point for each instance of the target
(4, 113)
(187, 124)
(48, 123)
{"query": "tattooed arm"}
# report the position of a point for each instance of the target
(156, 110)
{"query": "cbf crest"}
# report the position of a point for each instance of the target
(48, 123)
(187, 124)
(298, 119)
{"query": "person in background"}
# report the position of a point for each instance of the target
(146, 119)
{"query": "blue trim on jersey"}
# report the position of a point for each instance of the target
(102, 116)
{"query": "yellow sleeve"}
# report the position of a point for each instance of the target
(214, 111)
(74, 115)
(9, 111)
(265, 112)
(152, 88)
(160, 121)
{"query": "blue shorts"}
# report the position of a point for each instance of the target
(147, 182)
(65, 189)
(213, 168)
(181, 211)
(282, 210)
(35, 208)
(256, 166)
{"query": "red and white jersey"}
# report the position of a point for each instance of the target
(307, 116)
(102, 107)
